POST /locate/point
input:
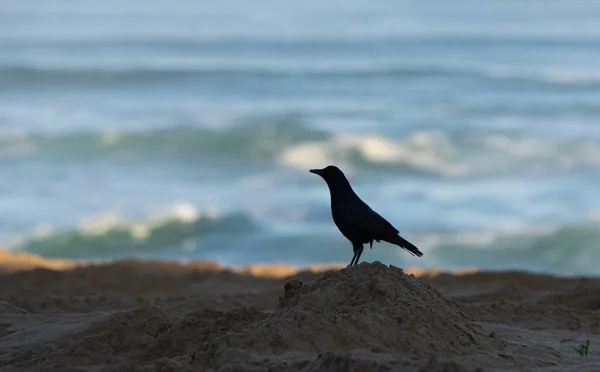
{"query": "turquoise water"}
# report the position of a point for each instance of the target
(183, 129)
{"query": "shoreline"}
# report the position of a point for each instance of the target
(11, 262)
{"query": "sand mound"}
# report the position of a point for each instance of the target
(371, 306)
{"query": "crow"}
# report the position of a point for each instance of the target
(355, 219)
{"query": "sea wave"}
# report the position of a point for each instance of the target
(436, 153)
(290, 143)
(239, 239)
(564, 249)
(254, 141)
(320, 43)
(186, 70)
(133, 73)
(176, 233)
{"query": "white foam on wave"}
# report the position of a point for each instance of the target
(486, 238)
(525, 147)
(565, 154)
(435, 152)
(429, 151)
(110, 138)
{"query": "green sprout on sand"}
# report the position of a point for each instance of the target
(583, 348)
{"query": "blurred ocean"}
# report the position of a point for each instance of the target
(185, 129)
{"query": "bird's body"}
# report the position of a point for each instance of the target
(355, 219)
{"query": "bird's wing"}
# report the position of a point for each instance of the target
(360, 214)
(383, 221)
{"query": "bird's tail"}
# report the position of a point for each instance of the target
(403, 243)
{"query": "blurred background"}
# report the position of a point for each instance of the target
(185, 129)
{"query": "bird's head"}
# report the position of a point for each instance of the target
(333, 176)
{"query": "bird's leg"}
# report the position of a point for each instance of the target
(359, 252)
(353, 258)
(357, 247)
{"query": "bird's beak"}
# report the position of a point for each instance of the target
(316, 171)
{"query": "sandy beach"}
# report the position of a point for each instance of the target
(136, 315)
(164, 194)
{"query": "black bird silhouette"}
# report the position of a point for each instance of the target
(355, 219)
